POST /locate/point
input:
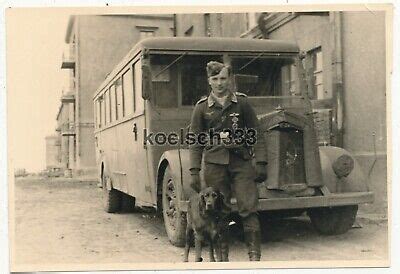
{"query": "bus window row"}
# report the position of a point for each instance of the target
(119, 100)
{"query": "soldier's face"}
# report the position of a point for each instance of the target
(220, 83)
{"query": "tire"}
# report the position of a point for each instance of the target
(112, 199)
(127, 202)
(333, 220)
(174, 218)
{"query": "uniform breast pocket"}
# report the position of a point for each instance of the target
(210, 119)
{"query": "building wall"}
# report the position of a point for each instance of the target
(220, 24)
(233, 24)
(102, 42)
(364, 76)
(64, 118)
(190, 25)
(364, 70)
(310, 32)
(52, 152)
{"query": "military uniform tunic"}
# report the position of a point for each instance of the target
(228, 167)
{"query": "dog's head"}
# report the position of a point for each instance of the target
(211, 200)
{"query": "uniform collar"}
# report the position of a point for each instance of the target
(211, 99)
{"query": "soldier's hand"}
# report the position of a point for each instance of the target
(195, 180)
(261, 172)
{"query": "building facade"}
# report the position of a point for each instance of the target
(53, 147)
(95, 44)
(345, 62)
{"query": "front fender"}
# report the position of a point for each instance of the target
(178, 162)
(356, 181)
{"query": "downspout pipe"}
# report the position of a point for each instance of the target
(338, 114)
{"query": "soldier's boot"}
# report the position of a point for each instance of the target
(253, 242)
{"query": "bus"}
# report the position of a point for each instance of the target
(142, 113)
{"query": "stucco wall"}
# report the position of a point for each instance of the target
(185, 21)
(221, 25)
(52, 151)
(364, 70)
(310, 32)
(233, 24)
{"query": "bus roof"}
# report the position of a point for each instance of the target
(216, 44)
(202, 44)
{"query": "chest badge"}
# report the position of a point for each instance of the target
(235, 119)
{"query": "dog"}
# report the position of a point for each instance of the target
(203, 220)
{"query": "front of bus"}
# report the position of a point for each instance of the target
(325, 181)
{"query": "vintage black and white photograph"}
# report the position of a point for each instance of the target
(143, 138)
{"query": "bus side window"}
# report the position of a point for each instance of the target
(98, 112)
(119, 99)
(165, 81)
(112, 103)
(106, 107)
(128, 93)
(139, 103)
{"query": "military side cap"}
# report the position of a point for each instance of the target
(214, 68)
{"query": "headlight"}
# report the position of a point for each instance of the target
(343, 166)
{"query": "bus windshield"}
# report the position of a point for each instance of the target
(265, 76)
(181, 80)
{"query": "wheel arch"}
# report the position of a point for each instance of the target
(171, 159)
(104, 168)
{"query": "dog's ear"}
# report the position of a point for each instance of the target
(202, 203)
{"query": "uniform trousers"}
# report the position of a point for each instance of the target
(236, 177)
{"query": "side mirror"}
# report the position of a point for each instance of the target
(146, 81)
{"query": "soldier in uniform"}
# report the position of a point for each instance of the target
(228, 165)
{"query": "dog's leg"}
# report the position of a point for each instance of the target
(212, 258)
(197, 243)
(218, 249)
(189, 234)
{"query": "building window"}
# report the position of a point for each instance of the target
(315, 72)
(129, 93)
(318, 73)
(146, 33)
(289, 80)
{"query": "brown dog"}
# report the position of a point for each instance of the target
(203, 216)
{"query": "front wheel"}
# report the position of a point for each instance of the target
(333, 220)
(174, 218)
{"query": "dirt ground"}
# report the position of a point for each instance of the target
(59, 221)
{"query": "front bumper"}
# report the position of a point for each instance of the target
(333, 199)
